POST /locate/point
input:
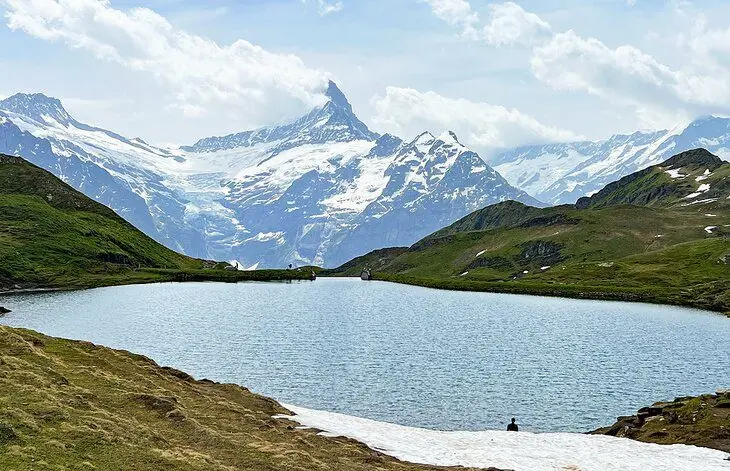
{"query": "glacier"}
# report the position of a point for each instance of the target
(321, 189)
(563, 172)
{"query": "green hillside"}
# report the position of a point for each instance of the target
(53, 236)
(67, 405)
(659, 235)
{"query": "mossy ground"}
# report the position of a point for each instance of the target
(67, 405)
(701, 421)
(625, 253)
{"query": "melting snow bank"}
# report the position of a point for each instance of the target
(521, 451)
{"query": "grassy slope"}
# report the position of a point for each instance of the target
(654, 249)
(53, 236)
(67, 405)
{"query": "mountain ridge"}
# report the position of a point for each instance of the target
(564, 172)
(319, 189)
(661, 234)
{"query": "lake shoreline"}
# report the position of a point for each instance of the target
(147, 276)
(439, 342)
(57, 412)
(168, 405)
(569, 292)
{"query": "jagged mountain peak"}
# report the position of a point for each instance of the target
(386, 144)
(423, 139)
(449, 137)
(333, 121)
(38, 107)
(336, 96)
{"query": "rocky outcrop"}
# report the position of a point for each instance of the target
(702, 421)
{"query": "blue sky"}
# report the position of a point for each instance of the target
(498, 73)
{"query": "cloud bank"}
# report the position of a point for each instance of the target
(198, 72)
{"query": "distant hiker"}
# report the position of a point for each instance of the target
(513, 426)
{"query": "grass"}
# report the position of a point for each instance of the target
(68, 405)
(601, 248)
(52, 236)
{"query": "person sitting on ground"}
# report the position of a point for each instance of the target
(513, 426)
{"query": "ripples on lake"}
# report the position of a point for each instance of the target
(437, 359)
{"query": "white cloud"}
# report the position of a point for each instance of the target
(325, 7)
(627, 76)
(509, 23)
(407, 112)
(456, 13)
(197, 72)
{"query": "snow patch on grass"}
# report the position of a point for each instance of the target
(523, 451)
(676, 173)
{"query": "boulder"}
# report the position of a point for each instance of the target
(651, 411)
(4, 311)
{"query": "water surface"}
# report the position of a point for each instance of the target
(409, 355)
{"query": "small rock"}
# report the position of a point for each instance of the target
(4, 311)
(176, 415)
(651, 411)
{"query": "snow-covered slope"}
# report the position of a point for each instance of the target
(562, 173)
(321, 189)
(523, 451)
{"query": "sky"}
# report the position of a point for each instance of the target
(499, 74)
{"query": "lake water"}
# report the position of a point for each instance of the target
(414, 356)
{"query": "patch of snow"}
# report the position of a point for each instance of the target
(464, 274)
(711, 215)
(676, 173)
(545, 268)
(480, 253)
(705, 201)
(659, 236)
(522, 451)
(704, 188)
(704, 176)
(267, 236)
(709, 229)
(525, 272)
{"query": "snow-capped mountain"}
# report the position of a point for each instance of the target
(562, 173)
(321, 189)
